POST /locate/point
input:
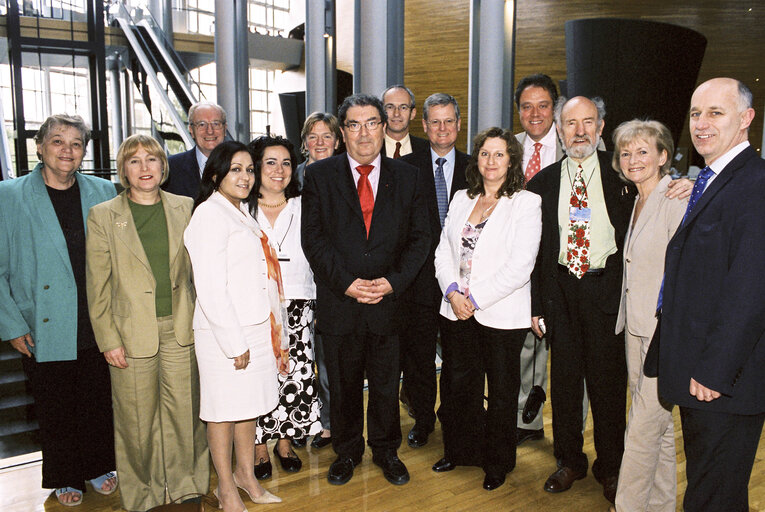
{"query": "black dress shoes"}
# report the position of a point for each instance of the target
(529, 435)
(563, 479)
(609, 487)
(443, 465)
(393, 469)
(491, 482)
(341, 470)
(291, 463)
(320, 442)
(417, 437)
(299, 443)
(263, 469)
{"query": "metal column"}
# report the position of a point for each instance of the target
(320, 57)
(490, 88)
(378, 45)
(162, 10)
(232, 65)
(114, 69)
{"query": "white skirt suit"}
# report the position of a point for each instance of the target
(232, 311)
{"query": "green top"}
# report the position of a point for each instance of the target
(151, 224)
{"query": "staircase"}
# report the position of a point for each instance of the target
(18, 424)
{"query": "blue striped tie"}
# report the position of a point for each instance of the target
(442, 196)
(698, 189)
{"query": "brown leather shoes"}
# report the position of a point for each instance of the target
(563, 479)
(609, 487)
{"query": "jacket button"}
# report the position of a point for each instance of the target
(627, 290)
(628, 260)
(45, 320)
(46, 287)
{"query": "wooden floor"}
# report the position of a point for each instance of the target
(459, 490)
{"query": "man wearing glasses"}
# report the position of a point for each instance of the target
(207, 125)
(401, 109)
(365, 233)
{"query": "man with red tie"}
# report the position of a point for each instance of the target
(365, 234)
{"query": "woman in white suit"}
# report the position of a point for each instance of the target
(483, 265)
(642, 155)
(240, 342)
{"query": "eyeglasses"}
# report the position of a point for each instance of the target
(390, 107)
(327, 137)
(215, 125)
(435, 123)
(355, 126)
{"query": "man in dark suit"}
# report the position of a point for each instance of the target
(576, 286)
(365, 233)
(712, 331)
(401, 109)
(442, 168)
(207, 125)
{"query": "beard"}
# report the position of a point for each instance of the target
(581, 152)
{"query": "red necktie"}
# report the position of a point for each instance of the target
(535, 164)
(397, 153)
(366, 196)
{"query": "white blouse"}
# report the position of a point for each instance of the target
(284, 236)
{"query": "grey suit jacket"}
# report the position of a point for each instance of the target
(644, 247)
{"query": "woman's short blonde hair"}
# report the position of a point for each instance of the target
(130, 147)
(648, 131)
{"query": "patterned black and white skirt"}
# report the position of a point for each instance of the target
(297, 414)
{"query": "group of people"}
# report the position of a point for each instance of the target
(146, 315)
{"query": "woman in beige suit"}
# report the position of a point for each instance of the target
(141, 302)
(642, 155)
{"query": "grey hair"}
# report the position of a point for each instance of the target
(745, 99)
(200, 104)
(441, 99)
(74, 121)
(600, 106)
(412, 103)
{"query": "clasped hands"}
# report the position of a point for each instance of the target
(462, 306)
(367, 291)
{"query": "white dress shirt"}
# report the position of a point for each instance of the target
(547, 152)
(390, 146)
(374, 176)
(201, 160)
(718, 165)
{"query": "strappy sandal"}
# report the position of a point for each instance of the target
(98, 483)
(65, 490)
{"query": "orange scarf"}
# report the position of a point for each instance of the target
(279, 337)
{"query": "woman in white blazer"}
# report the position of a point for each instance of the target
(483, 265)
(648, 473)
(236, 317)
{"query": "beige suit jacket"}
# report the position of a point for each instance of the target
(644, 248)
(120, 284)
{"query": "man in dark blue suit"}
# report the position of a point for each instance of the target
(711, 356)
(365, 232)
(419, 306)
(207, 125)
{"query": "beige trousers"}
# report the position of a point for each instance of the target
(159, 439)
(648, 474)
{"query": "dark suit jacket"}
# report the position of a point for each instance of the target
(335, 242)
(184, 176)
(425, 289)
(713, 313)
(418, 145)
(620, 198)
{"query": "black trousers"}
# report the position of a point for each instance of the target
(348, 358)
(73, 403)
(719, 455)
(472, 355)
(583, 346)
(418, 339)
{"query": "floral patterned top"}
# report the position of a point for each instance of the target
(470, 236)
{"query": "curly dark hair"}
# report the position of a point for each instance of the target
(257, 149)
(514, 179)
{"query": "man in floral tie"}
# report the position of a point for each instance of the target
(576, 286)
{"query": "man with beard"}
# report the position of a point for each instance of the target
(576, 287)
(398, 101)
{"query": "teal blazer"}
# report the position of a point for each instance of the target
(38, 294)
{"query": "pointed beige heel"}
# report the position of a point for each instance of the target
(263, 499)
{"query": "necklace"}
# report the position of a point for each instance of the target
(485, 214)
(277, 205)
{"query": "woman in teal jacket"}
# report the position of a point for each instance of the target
(44, 314)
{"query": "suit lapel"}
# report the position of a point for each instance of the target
(173, 219)
(383, 201)
(650, 209)
(346, 186)
(458, 176)
(125, 230)
(41, 208)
